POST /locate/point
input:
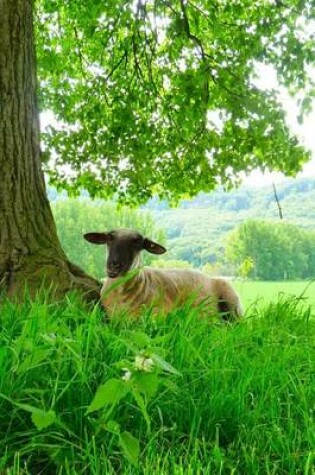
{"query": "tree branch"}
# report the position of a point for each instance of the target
(116, 66)
(277, 200)
(192, 37)
(81, 58)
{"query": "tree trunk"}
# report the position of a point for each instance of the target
(30, 252)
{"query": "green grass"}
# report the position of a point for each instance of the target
(261, 293)
(220, 399)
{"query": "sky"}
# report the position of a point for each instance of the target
(305, 132)
(306, 135)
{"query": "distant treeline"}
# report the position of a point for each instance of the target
(290, 193)
(197, 230)
(267, 250)
(214, 231)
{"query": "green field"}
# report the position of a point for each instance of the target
(261, 293)
(175, 396)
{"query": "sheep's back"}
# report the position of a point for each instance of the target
(164, 289)
(183, 285)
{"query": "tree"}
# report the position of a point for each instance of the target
(29, 246)
(151, 97)
(275, 251)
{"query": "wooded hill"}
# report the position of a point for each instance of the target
(196, 230)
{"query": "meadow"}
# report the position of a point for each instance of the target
(258, 293)
(159, 396)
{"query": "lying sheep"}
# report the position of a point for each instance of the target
(130, 286)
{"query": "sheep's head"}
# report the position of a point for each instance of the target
(124, 247)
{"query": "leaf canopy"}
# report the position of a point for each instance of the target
(158, 97)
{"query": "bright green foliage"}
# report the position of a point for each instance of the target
(109, 393)
(130, 446)
(203, 397)
(74, 218)
(277, 250)
(196, 231)
(43, 419)
(157, 97)
(40, 418)
(246, 267)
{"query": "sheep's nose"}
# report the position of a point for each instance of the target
(114, 263)
(114, 268)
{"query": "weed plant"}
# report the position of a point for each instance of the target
(175, 395)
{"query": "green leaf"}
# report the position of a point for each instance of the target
(306, 104)
(43, 419)
(147, 383)
(130, 446)
(141, 339)
(113, 426)
(40, 418)
(164, 365)
(109, 393)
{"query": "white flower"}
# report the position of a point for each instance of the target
(143, 364)
(127, 375)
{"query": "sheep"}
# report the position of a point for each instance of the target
(129, 286)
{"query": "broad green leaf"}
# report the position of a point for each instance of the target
(141, 339)
(113, 426)
(164, 365)
(40, 418)
(43, 419)
(130, 446)
(147, 383)
(109, 393)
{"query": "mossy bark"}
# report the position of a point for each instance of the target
(30, 252)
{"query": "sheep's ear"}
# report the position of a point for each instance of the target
(153, 247)
(97, 238)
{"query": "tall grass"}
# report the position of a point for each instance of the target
(216, 399)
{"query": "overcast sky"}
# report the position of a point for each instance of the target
(305, 132)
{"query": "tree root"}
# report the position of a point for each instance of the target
(35, 274)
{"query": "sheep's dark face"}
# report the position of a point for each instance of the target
(124, 246)
(123, 250)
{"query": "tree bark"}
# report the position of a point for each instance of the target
(30, 252)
